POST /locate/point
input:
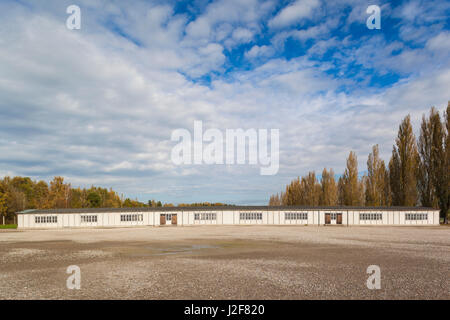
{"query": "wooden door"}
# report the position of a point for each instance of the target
(327, 218)
(162, 219)
(339, 218)
(174, 219)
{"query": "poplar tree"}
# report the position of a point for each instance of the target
(341, 193)
(445, 205)
(425, 184)
(438, 160)
(375, 181)
(310, 190)
(352, 187)
(275, 200)
(328, 189)
(403, 167)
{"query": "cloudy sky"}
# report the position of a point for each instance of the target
(98, 105)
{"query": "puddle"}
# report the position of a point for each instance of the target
(152, 251)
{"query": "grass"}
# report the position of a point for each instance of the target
(8, 226)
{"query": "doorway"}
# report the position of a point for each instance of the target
(327, 218)
(168, 219)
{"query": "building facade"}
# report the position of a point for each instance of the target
(227, 215)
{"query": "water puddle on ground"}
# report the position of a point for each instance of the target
(155, 251)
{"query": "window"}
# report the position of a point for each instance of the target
(370, 216)
(88, 218)
(46, 219)
(296, 215)
(131, 217)
(416, 216)
(250, 216)
(205, 216)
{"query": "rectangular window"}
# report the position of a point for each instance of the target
(370, 216)
(88, 218)
(46, 219)
(250, 215)
(205, 216)
(416, 216)
(296, 215)
(131, 217)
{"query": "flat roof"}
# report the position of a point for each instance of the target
(221, 208)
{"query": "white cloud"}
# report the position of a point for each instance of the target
(440, 43)
(294, 13)
(259, 51)
(242, 35)
(99, 108)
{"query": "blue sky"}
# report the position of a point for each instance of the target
(98, 105)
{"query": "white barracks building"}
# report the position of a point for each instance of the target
(227, 215)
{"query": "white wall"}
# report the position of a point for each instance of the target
(227, 217)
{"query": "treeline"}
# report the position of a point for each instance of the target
(21, 193)
(418, 173)
(203, 204)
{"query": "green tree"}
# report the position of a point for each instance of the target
(94, 199)
(3, 202)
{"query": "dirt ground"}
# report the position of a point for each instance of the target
(226, 262)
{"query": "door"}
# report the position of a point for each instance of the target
(174, 219)
(162, 219)
(327, 218)
(339, 218)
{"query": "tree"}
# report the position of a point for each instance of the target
(425, 173)
(310, 190)
(352, 188)
(94, 199)
(328, 188)
(341, 191)
(446, 205)
(438, 161)
(293, 193)
(15, 200)
(59, 193)
(3, 202)
(375, 182)
(403, 166)
(394, 179)
(40, 193)
(24, 185)
(432, 177)
(275, 200)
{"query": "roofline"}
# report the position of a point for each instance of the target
(219, 208)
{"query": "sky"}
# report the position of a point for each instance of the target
(98, 105)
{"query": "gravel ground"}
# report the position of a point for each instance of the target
(226, 262)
